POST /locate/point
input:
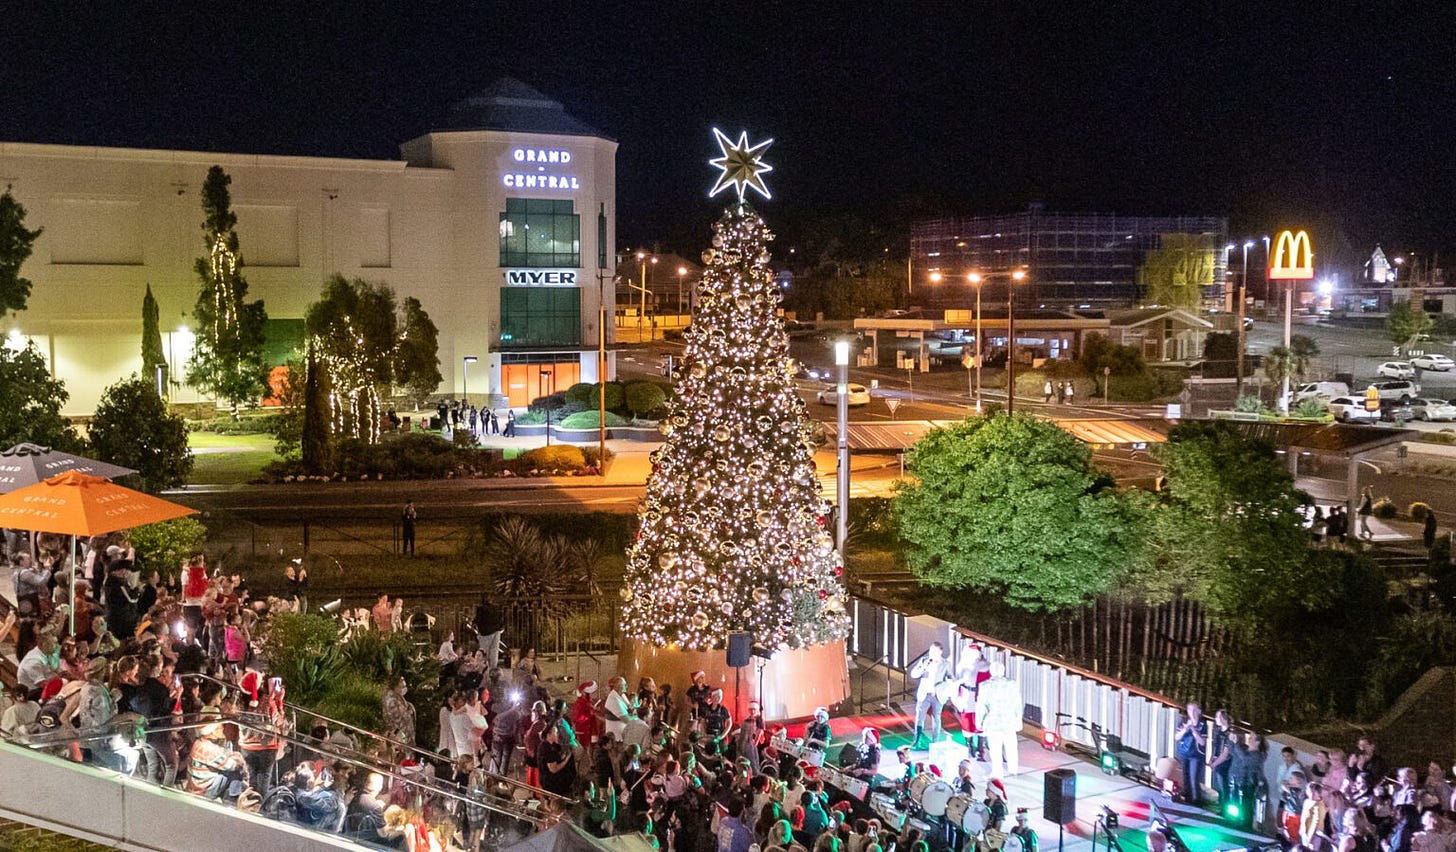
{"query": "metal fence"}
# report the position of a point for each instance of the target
(1055, 694)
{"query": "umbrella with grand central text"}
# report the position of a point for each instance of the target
(75, 504)
(27, 464)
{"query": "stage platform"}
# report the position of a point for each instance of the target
(1200, 830)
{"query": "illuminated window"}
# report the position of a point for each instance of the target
(537, 232)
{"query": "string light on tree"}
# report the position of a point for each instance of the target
(734, 533)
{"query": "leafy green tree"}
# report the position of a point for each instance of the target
(1220, 354)
(1013, 506)
(133, 428)
(1303, 349)
(1230, 524)
(292, 398)
(31, 401)
(644, 397)
(152, 354)
(227, 360)
(1278, 364)
(417, 355)
(16, 244)
(1406, 322)
(164, 546)
(353, 331)
(315, 444)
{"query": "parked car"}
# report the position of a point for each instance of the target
(1437, 410)
(1397, 412)
(1351, 409)
(1438, 363)
(1396, 370)
(1324, 390)
(858, 395)
(1403, 391)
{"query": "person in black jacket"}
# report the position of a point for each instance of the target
(121, 601)
(489, 622)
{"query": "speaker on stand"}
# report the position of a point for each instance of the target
(1059, 799)
(740, 652)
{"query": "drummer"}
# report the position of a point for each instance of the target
(995, 804)
(816, 735)
(1024, 831)
(867, 760)
(965, 782)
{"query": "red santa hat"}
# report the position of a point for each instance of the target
(250, 683)
(586, 687)
(996, 786)
(697, 674)
(51, 689)
(935, 770)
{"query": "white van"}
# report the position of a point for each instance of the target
(1323, 390)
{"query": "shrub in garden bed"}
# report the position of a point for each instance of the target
(424, 456)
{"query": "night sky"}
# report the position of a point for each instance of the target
(1272, 114)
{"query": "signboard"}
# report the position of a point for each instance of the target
(541, 278)
(1372, 399)
(892, 403)
(545, 171)
(1292, 258)
(1174, 412)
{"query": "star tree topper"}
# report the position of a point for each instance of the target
(742, 164)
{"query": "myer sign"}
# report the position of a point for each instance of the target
(541, 278)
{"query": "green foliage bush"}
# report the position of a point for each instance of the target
(1311, 407)
(643, 398)
(583, 394)
(1249, 405)
(552, 402)
(248, 424)
(1419, 510)
(1385, 509)
(590, 420)
(133, 428)
(1147, 386)
(557, 457)
(1445, 437)
(163, 547)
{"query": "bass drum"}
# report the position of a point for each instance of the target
(955, 809)
(1014, 843)
(992, 841)
(976, 818)
(918, 784)
(936, 799)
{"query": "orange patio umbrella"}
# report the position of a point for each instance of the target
(75, 504)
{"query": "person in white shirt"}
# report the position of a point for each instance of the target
(617, 708)
(446, 654)
(447, 733)
(468, 725)
(20, 718)
(41, 663)
(998, 712)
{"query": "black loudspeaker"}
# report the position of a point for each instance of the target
(1059, 796)
(740, 648)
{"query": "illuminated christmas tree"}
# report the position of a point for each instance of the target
(734, 533)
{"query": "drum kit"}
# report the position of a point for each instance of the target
(938, 805)
(807, 756)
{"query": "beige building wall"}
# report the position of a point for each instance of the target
(117, 220)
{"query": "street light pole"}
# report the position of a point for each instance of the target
(1016, 278)
(681, 271)
(602, 374)
(975, 280)
(547, 374)
(841, 362)
(1243, 287)
(465, 378)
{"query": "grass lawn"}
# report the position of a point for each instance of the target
(229, 459)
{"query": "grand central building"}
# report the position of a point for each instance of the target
(501, 222)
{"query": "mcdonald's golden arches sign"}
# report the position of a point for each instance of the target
(1292, 258)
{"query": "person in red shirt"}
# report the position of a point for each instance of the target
(194, 589)
(583, 713)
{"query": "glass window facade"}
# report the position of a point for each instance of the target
(540, 316)
(541, 233)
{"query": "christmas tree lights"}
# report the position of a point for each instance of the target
(734, 534)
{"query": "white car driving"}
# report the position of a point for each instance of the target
(1396, 370)
(858, 395)
(1436, 363)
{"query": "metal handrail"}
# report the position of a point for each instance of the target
(508, 807)
(418, 751)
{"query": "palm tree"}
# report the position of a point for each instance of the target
(536, 575)
(1302, 350)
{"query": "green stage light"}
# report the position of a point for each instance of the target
(1231, 810)
(1109, 762)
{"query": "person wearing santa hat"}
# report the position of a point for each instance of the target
(995, 803)
(583, 712)
(697, 695)
(617, 708)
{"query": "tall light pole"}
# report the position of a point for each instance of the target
(642, 258)
(841, 397)
(602, 373)
(465, 378)
(547, 375)
(1016, 278)
(1243, 287)
(681, 271)
(975, 280)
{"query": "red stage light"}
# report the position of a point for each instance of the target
(1049, 739)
